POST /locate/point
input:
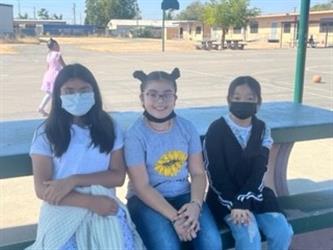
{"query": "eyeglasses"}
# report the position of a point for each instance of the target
(154, 96)
(71, 91)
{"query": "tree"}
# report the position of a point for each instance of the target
(57, 17)
(126, 9)
(323, 6)
(43, 14)
(169, 15)
(227, 13)
(24, 16)
(100, 12)
(194, 11)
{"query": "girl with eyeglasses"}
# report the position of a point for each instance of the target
(237, 151)
(162, 150)
(77, 159)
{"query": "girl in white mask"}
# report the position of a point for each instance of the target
(77, 157)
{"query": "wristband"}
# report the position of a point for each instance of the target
(198, 204)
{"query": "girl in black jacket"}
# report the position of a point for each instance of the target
(237, 151)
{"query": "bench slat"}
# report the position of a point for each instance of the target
(15, 166)
(307, 202)
(306, 212)
(17, 246)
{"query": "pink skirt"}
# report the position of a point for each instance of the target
(48, 80)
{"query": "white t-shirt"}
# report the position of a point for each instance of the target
(80, 157)
(243, 133)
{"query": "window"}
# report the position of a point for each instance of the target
(286, 27)
(326, 25)
(253, 27)
(237, 30)
(198, 30)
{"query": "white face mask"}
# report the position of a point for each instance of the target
(78, 104)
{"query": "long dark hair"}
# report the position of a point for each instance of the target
(58, 124)
(253, 84)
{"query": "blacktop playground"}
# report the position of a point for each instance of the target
(205, 76)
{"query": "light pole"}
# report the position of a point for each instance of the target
(19, 7)
(167, 5)
(163, 31)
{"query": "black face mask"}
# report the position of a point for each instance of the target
(159, 120)
(243, 110)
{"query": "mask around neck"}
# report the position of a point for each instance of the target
(159, 120)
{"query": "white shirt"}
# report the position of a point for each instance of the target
(243, 133)
(80, 157)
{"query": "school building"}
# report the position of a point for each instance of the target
(142, 28)
(36, 27)
(275, 30)
(174, 29)
(6, 19)
(282, 29)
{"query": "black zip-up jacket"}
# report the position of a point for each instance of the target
(236, 174)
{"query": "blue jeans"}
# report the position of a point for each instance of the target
(158, 233)
(274, 226)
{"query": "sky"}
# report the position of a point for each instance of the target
(150, 9)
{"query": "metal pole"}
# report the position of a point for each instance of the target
(74, 14)
(19, 7)
(163, 31)
(301, 50)
(281, 33)
(326, 35)
(295, 28)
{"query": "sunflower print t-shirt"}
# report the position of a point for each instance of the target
(165, 154)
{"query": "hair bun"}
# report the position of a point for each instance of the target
(139, 74)
(175, 74)
(51, 42)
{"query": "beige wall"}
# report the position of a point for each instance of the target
(189, 31)
(271, 28)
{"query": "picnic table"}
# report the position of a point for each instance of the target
(235, 43)
(216, 45)
(290, 123)
(208, 45)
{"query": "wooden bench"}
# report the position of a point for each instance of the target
(305, 212)
(304, 216)
(289, 122)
